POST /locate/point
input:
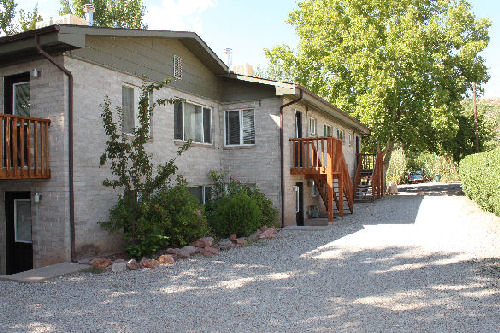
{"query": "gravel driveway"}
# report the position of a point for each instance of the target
(403, 263)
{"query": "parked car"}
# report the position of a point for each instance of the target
(417, 176)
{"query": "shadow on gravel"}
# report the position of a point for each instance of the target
(431, 189)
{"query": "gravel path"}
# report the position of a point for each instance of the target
(404, 263)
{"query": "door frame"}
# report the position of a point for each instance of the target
(299, 203)
(15, 249)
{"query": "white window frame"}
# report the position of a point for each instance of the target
(137, 98)
(313, 125)
(350, 140)
(341, 134)
(15, 222)
(297, 199)
(14, 85)
(202, 123)
(325, 132)
(241, 128)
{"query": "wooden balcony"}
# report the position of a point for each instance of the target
(369, 178)
(322, 160)
(25, 147)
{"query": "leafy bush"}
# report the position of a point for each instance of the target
(172, 217)
(236, 214)
(221, 205)
(433, 164)
(480, 175)
(397, 167)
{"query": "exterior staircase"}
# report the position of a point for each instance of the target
(321, 159)
(368, 182)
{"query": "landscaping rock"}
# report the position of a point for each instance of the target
(132, 264)
(166, 259)
(186, 251)
(225, 244)
(119, 260)
(233, 237)
(253, 237)
(267, 233)
(241, 241)
(149, 263)
(84, 261)
(203, 242)
(172, 251)
(100, 263)
(209, 251)
(118, 267)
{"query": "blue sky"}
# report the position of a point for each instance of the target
(249, 26)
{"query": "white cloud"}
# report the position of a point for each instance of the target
(178, 15)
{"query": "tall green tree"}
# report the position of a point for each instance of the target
(8, 23)
(7, 14)
(109, 13)
(400, 66)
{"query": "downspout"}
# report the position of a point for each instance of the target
(70, 143)
(282, 162)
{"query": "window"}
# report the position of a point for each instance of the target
(130, 106)
(350, 140)
(177, 67)
(22, 220)
(312, 126)
(202, 193)
(328, 130)
(340, 134)
(21, 99)
(240, 127)
(193, 122)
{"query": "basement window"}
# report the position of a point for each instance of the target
(202, 193)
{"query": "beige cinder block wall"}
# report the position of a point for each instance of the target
(92, 200)
(260, 163)
(50, 217)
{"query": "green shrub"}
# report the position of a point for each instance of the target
(269, 213)
(184, 215)
(171, 217)
(397, 167)
(433, 164)
(480, 175)
(236, 214)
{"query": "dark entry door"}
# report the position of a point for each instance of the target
(299, 203)
(298, 134)
(18, 232)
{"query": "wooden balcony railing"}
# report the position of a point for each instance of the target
(321, 159)
(370, 167)
(24, 148)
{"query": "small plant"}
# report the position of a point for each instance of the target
(236, 214)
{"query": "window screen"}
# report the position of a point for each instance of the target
(128, 106)
(248, 127)
(240, 127)
(232, 127)
(178, 124)
(22, 222)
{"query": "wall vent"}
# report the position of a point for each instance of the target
(177, 67)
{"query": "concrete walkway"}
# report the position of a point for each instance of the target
(45, 273)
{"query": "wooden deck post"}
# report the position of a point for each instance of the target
(329, 179)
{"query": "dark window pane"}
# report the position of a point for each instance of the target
(178, 121)
(196, 192)
(232, 127)
(248, 127)
(128, 123)
(207, 125)
(21, 92)
(208, 194)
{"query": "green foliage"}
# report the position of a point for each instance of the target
(480, 175)
(186, 221)
(396, 173)
(109, 13)
(152, 212)
(27, 20)
(433, 164)
(399, 66)
(236, 214)
(225, 189)
(488, 124)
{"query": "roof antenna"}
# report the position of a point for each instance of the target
(228, 51)
(89, 10)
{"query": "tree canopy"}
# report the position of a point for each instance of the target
(109, 13)
(400, 66)
(26, 21)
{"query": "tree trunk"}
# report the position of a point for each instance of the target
(389, 148)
